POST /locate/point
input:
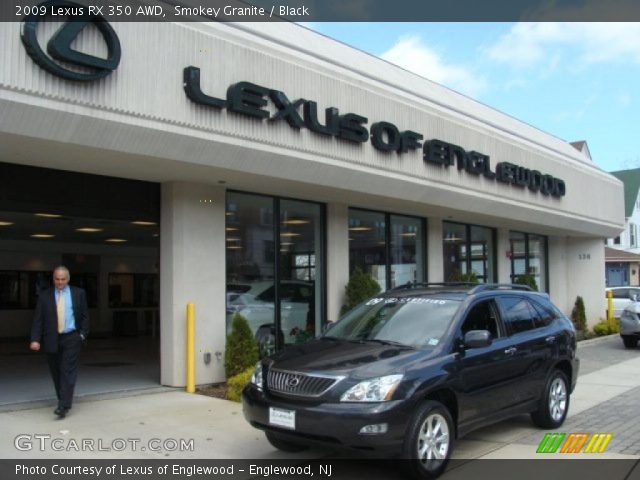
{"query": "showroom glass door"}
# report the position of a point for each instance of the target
(275, 269)
(300, 270)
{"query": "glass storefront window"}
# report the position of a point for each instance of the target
(138, 290)
(529, 255)
(300, 242)
(518, 255)
(388, 247)
(367, 244)
(468, 249)
(274, 269)
(456, 260)
(250, 265)
(407, 255)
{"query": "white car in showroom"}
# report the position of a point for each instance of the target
(256, 302)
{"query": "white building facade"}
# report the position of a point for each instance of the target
(286, 159)
(625, 271)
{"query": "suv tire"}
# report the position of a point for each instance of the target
(280, 443)
(629, 341)
(429, 440)
(554, 404)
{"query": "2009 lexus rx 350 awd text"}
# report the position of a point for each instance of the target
(409, 371)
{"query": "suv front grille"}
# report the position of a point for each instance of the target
(300, 384)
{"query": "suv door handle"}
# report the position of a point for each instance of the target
(551, 339)
(510, 351)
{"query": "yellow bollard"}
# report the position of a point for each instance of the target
(191, 351)
(610, 307)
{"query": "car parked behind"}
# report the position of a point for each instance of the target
(630, 325)
(409, 371)
(622, 298)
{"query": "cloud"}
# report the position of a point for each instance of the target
(579, 113)
(535, 45)
(411, 54)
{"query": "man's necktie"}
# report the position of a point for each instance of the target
(60, 312)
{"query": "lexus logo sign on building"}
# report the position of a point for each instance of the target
(59, 46)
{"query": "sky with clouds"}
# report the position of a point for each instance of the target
(577, 81)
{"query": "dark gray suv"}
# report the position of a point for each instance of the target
(409, 371)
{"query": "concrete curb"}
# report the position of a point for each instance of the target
(592, 341)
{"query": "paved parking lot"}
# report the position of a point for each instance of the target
(605, 400)
(617, 415)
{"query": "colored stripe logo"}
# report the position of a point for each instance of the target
(574, 442)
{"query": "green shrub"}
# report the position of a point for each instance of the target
(360, 287)
(603, 327)
(578, 315)
(457, 276)
(528, 280)
(241, 351)
(615, 326)
(236, 383)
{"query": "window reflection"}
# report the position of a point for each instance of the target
(528, 255)
(300, 239)
(250, 265)
(255, 245)
(392, 256)
(407, 255)
(468, 252)
(367, 244)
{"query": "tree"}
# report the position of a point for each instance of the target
(458, 276)
(528, 280)
(578, 315)
(360, 287)
(241, 351)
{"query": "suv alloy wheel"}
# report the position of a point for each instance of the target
(429, 439)
(554, 403)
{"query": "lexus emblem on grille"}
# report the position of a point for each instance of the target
(293, 382)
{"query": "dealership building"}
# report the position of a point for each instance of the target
(251, 167)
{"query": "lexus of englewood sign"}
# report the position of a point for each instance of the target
(249, 99)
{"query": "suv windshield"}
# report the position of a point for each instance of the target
(411, 321)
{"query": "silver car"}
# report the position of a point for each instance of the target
(622, 298)
(630, 325)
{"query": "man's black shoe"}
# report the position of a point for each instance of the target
(61, 412)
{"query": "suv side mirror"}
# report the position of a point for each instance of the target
(477, 339)
(633, 297)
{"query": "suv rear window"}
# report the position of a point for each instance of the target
(546, 314)
(518, 314)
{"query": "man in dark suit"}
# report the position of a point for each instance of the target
(60, 326)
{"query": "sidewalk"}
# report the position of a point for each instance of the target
(219, 431)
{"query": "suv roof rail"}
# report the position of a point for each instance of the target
(499, 286)
(410, 285)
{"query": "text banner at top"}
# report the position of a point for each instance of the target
(327, 10)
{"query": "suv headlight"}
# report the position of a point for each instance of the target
(256, 378)
(378, 389)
